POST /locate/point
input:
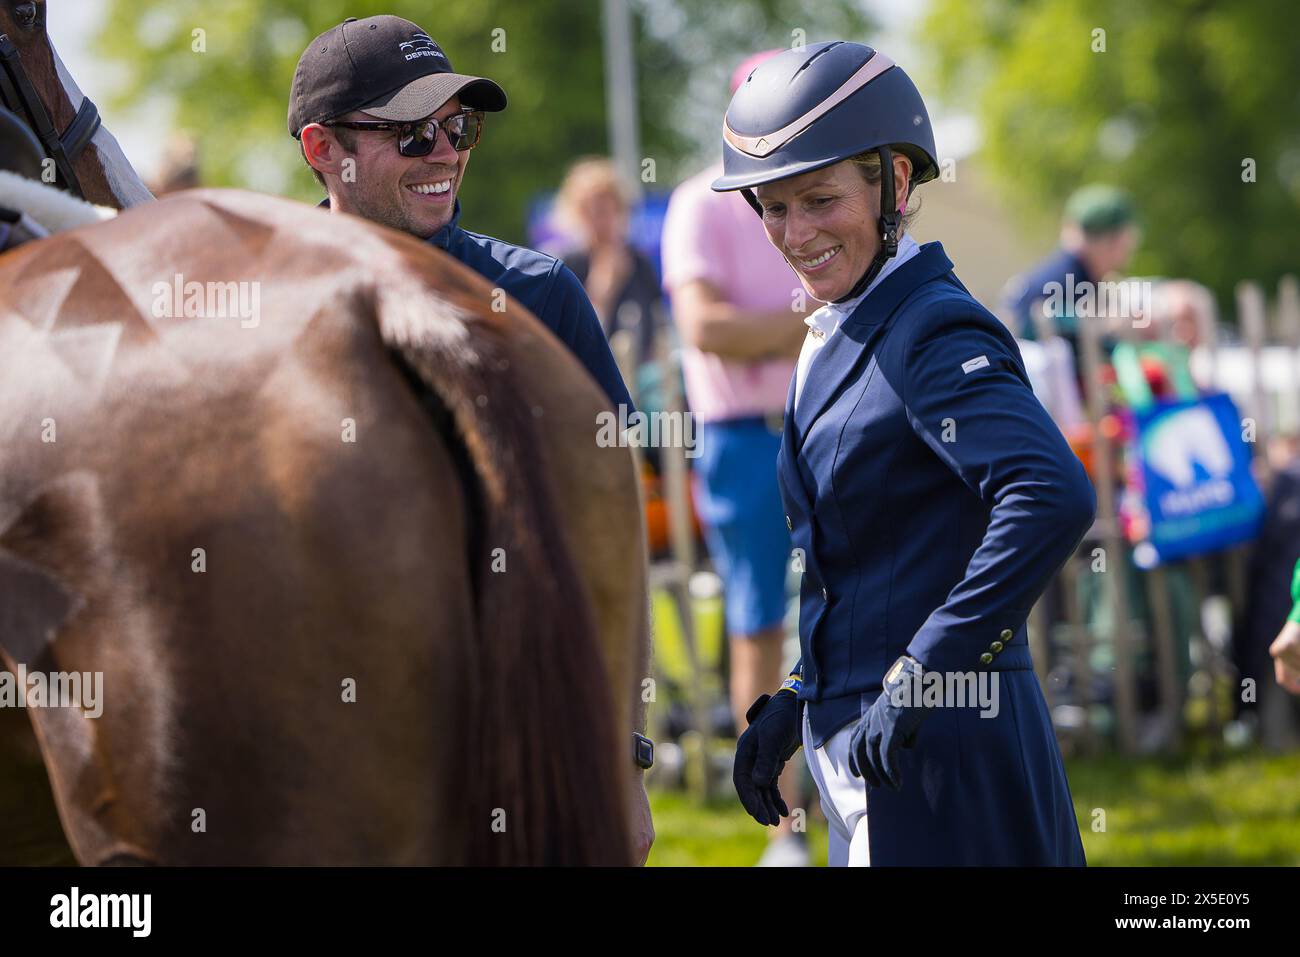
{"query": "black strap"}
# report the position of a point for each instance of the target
(17, 228)
(82, 129)
(21, 98)
(891, 224)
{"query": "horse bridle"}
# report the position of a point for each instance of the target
(19, 96)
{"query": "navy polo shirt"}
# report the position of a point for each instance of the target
(548, 289)
(1025, 293)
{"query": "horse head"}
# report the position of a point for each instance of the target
(79, 155)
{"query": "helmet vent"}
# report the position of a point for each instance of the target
(809, 62)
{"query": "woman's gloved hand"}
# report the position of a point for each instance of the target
(772, 738)
(891, 723)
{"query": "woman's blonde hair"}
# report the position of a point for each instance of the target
(868, 164)
(587, 176)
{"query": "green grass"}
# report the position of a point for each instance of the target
(1243, 809)
(1189, 809)
(718, 835)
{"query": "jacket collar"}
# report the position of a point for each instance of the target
(844, 350)
(828, 318)
(930, 263)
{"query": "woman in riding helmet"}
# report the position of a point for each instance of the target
(930, 497)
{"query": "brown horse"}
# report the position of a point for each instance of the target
(361, 585)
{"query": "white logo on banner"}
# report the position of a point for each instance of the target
(1179, 443)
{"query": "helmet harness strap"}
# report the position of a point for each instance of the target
(891, 223)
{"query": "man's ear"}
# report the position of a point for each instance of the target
(321, 150)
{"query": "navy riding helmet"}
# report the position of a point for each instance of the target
(815, 106)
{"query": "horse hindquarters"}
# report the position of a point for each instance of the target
(328, 563)
(541, 781)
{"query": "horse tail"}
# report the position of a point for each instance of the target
(536, 784)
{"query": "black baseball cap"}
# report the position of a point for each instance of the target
(384, 65)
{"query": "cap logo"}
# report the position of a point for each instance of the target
(420, 44)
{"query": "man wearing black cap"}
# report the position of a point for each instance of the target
(387, 126)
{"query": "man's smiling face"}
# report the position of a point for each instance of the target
(416, 194)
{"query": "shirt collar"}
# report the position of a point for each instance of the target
(828, 318)
(1074, 263)
(442, 238)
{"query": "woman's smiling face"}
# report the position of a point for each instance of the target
(824, 223)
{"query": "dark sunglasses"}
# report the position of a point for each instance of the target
(417, 137)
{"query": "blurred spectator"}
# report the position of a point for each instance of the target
(179, 168)
(622, 283)
(1184, 311)
(1155, 364)
(733, 296)
(1098, 238)
(1270, 631)
(1055, 380)
(1286, 647)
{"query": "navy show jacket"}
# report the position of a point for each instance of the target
(933, 497)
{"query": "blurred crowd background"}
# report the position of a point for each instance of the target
(1155, 145)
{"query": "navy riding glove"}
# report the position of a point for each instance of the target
(891, 723)
(772, 738)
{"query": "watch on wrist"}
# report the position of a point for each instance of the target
(905, 666)
(643, 751)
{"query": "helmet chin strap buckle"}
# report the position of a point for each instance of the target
(891, 224)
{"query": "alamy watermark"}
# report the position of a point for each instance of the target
(645, 430)
(74, 909)
(948, 689)
(1125, 299)
(55, 689)
(180, 299)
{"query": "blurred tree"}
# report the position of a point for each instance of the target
(1193, 105)
(226, 69)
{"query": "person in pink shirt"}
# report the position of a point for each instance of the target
(737, 306)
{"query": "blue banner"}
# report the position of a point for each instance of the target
(1199, 493)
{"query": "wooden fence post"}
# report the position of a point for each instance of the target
(675, 480)
(1115, 584)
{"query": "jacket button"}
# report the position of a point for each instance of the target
(986, 659)
(1006, 634)
(995, 647)
(789, 524)
(826, 595)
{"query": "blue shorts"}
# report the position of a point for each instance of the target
(739, 504)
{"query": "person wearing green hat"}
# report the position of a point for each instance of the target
(1098, 237)
(1286, 647)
